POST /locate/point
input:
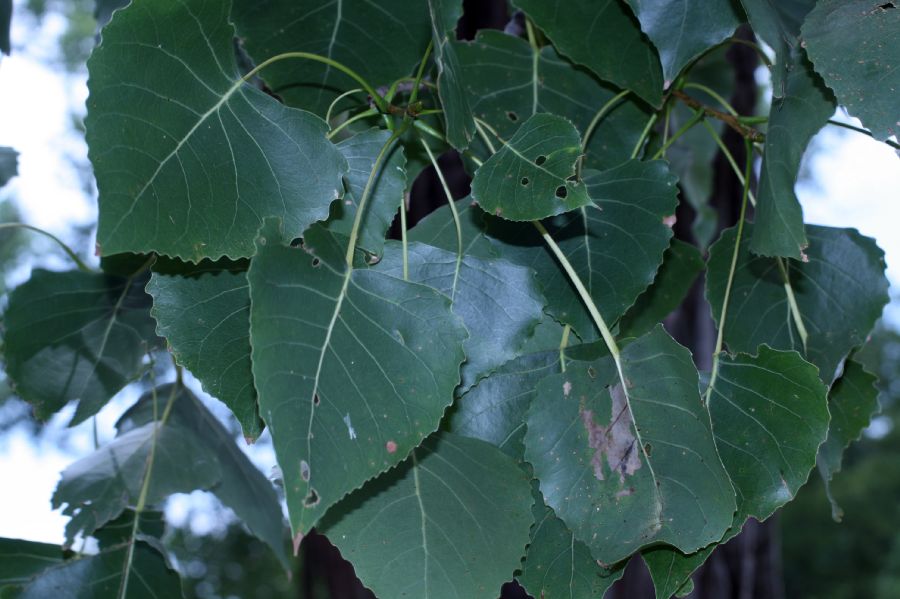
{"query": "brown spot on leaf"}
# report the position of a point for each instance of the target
(615, 442)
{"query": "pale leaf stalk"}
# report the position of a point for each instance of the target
(604, 110)
(69, 251)
(714, 95)
(563, 344)
(334, 103)
(696, 118)
(414, 95)
(644, 135)
(362, 115)
(720, 336)
(456, 223)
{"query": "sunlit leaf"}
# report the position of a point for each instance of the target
(454, 518)
(353, 367)
(179, 141)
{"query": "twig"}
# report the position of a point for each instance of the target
(730, 120)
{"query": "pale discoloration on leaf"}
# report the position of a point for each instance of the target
(616, 442)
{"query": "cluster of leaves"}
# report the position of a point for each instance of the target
(491, 397)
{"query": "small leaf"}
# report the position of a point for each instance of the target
(682, 264)
(682, 30)
(627, 467)
(852, 401)
(853, 46)
(615, 245)
(840, 293)
(559, 565)
(460, 124)
(179, 141)
(455, 518)
(508, 84)
(532, 175)
(353, 367)
(793, 120)
(204, 314)
(76, 336)
(605, 37)
(778, 24)
(385, 197)
(381, 41)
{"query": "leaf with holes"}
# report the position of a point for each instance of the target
(351, 32)
(385, 197)
(769, 416)
(616, 244)
(499, 302)
(852, 401)
(630, 466)
(532, 176)
(457, 513)
(853, 46)
(204, 314)
(509, 82)
(682, 30)
(605, 37)
(793, 120)
(840, 293)
(353, 367)
(76, 336)
(177, 139)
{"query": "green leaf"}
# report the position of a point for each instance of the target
(853, 46)
(627, 467)
(76, 336)
(450, 522)
(682, 30)
(386, 195)
(460, 125)
(119, 571)
(769, 415)
(605, 37)
(21, 560)
(204, 314)
(532, 176)
(559, 565)
(615, 245)
(499, 302)
(437, 229)
(508, 82)
(241, 486)
(381, 41)
(793, 120)
(6, 8)
(778, 24)
(852, 401)
(353, 367)
(177, 140)
(840, 292)
(682, 264)
(9, 164)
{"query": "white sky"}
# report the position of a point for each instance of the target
(854, 182)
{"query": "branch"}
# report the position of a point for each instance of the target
(732, 121)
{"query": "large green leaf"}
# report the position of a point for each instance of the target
(793, 120)
(178, 141)
(21, 560)
(605, 37)
(381, 41)
(852, 401)
(451, 522)
(204, 314)
(558, 565)
(9, 164)
(615, 244)
(533, 175)
(630, 466)
(682, 264)
(438, 229)
(76, 336)
(769, 417)
(353, 367)
(385, 197)
(458, 117)
(241, 486)
(499, 302)
(840, 292)
(682, 30)
(854, 47)
(118, 571)
(500, 70)
(778, 24)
